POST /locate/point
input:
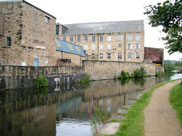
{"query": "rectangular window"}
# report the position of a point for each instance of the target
(129, 55)
(86, 38)
(101, 47)
(86, 47)
(119, 55)
(137, 45)
(64, 38)
(93, 38)
(108, 55)
(119, 37)
(8, 41)
(47, 19)
(71, 38)
(119, 45)
(109, 37)
(137, 55)
(78, 38)
(101, 38)
(93, 47)
(130, 37)
(138, 37)
(101, 56)
(129, 46)
(109, 46)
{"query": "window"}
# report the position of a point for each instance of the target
(101, 56)
(138, 36)
(86, 38)
(108, 55)
(64, 38)
(119, 45)
(130, 37)
(129, 55)
(109, 46)
(119, 37)
(109, 37)
(101, 38)
(78, 38)
(46, 19)
(86, 47)
(129, 46)
(137, 45)
(71, 38)
(93, 47)
(93, 38)
(119, 55)
(101, 47)
(137, 55)
(8, 41)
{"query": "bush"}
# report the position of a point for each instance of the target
(41, 82)
(85, 79)
(124, 75)
(168, 68)
(139, 73)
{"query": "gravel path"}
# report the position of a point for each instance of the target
(159, 116)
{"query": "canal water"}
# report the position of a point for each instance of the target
(63, 110)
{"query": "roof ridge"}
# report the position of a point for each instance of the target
(104, 22)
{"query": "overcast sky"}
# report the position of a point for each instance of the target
(82, 11)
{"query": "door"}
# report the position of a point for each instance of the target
(36, 62)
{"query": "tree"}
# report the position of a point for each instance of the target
(168, 15)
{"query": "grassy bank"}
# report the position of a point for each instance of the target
(133, 125)
(176, 100)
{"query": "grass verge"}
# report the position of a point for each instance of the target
(176, 100)
(133, 125)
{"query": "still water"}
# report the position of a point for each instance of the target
(63, 111)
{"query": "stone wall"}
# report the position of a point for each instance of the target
(106, 70)
(23, 71)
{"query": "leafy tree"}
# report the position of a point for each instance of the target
(168, 15)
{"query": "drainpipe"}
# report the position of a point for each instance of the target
(124, 46)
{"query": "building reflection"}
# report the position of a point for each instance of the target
(23, 113)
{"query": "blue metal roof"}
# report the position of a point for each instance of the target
(69, 47)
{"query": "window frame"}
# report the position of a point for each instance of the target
(71, 38)
(119, 55)
(101, 38)
(47, 19)
(130, 46)
(130, 36)
(93, 38)
(86, 47)
(137, 46)
(8, 41)
(129, 55)
(78, 38)
(101, 45)
(101, 56)
(109, 55)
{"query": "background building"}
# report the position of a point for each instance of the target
(112, 41)
(156, 55)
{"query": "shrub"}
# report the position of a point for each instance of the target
(41, 82)
(139, 72)
(124, 75)
(168, 68)
(85, 79)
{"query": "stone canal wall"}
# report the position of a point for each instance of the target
(99, 70)
(30, 71)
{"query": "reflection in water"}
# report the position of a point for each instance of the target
(64, 110)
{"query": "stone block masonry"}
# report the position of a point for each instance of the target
(99, 70)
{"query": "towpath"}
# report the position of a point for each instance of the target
(159, 116)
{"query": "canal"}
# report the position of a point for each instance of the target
(63, 110)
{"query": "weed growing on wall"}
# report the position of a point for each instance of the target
(41, 82)
(139, 73)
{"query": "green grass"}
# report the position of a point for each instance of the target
(176, 100)
(133, 125)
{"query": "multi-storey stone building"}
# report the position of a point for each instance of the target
(112, 41)
(28, 36)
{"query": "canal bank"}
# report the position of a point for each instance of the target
(133, 124)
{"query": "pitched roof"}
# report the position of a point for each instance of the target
(69, 48)
(105, 27)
